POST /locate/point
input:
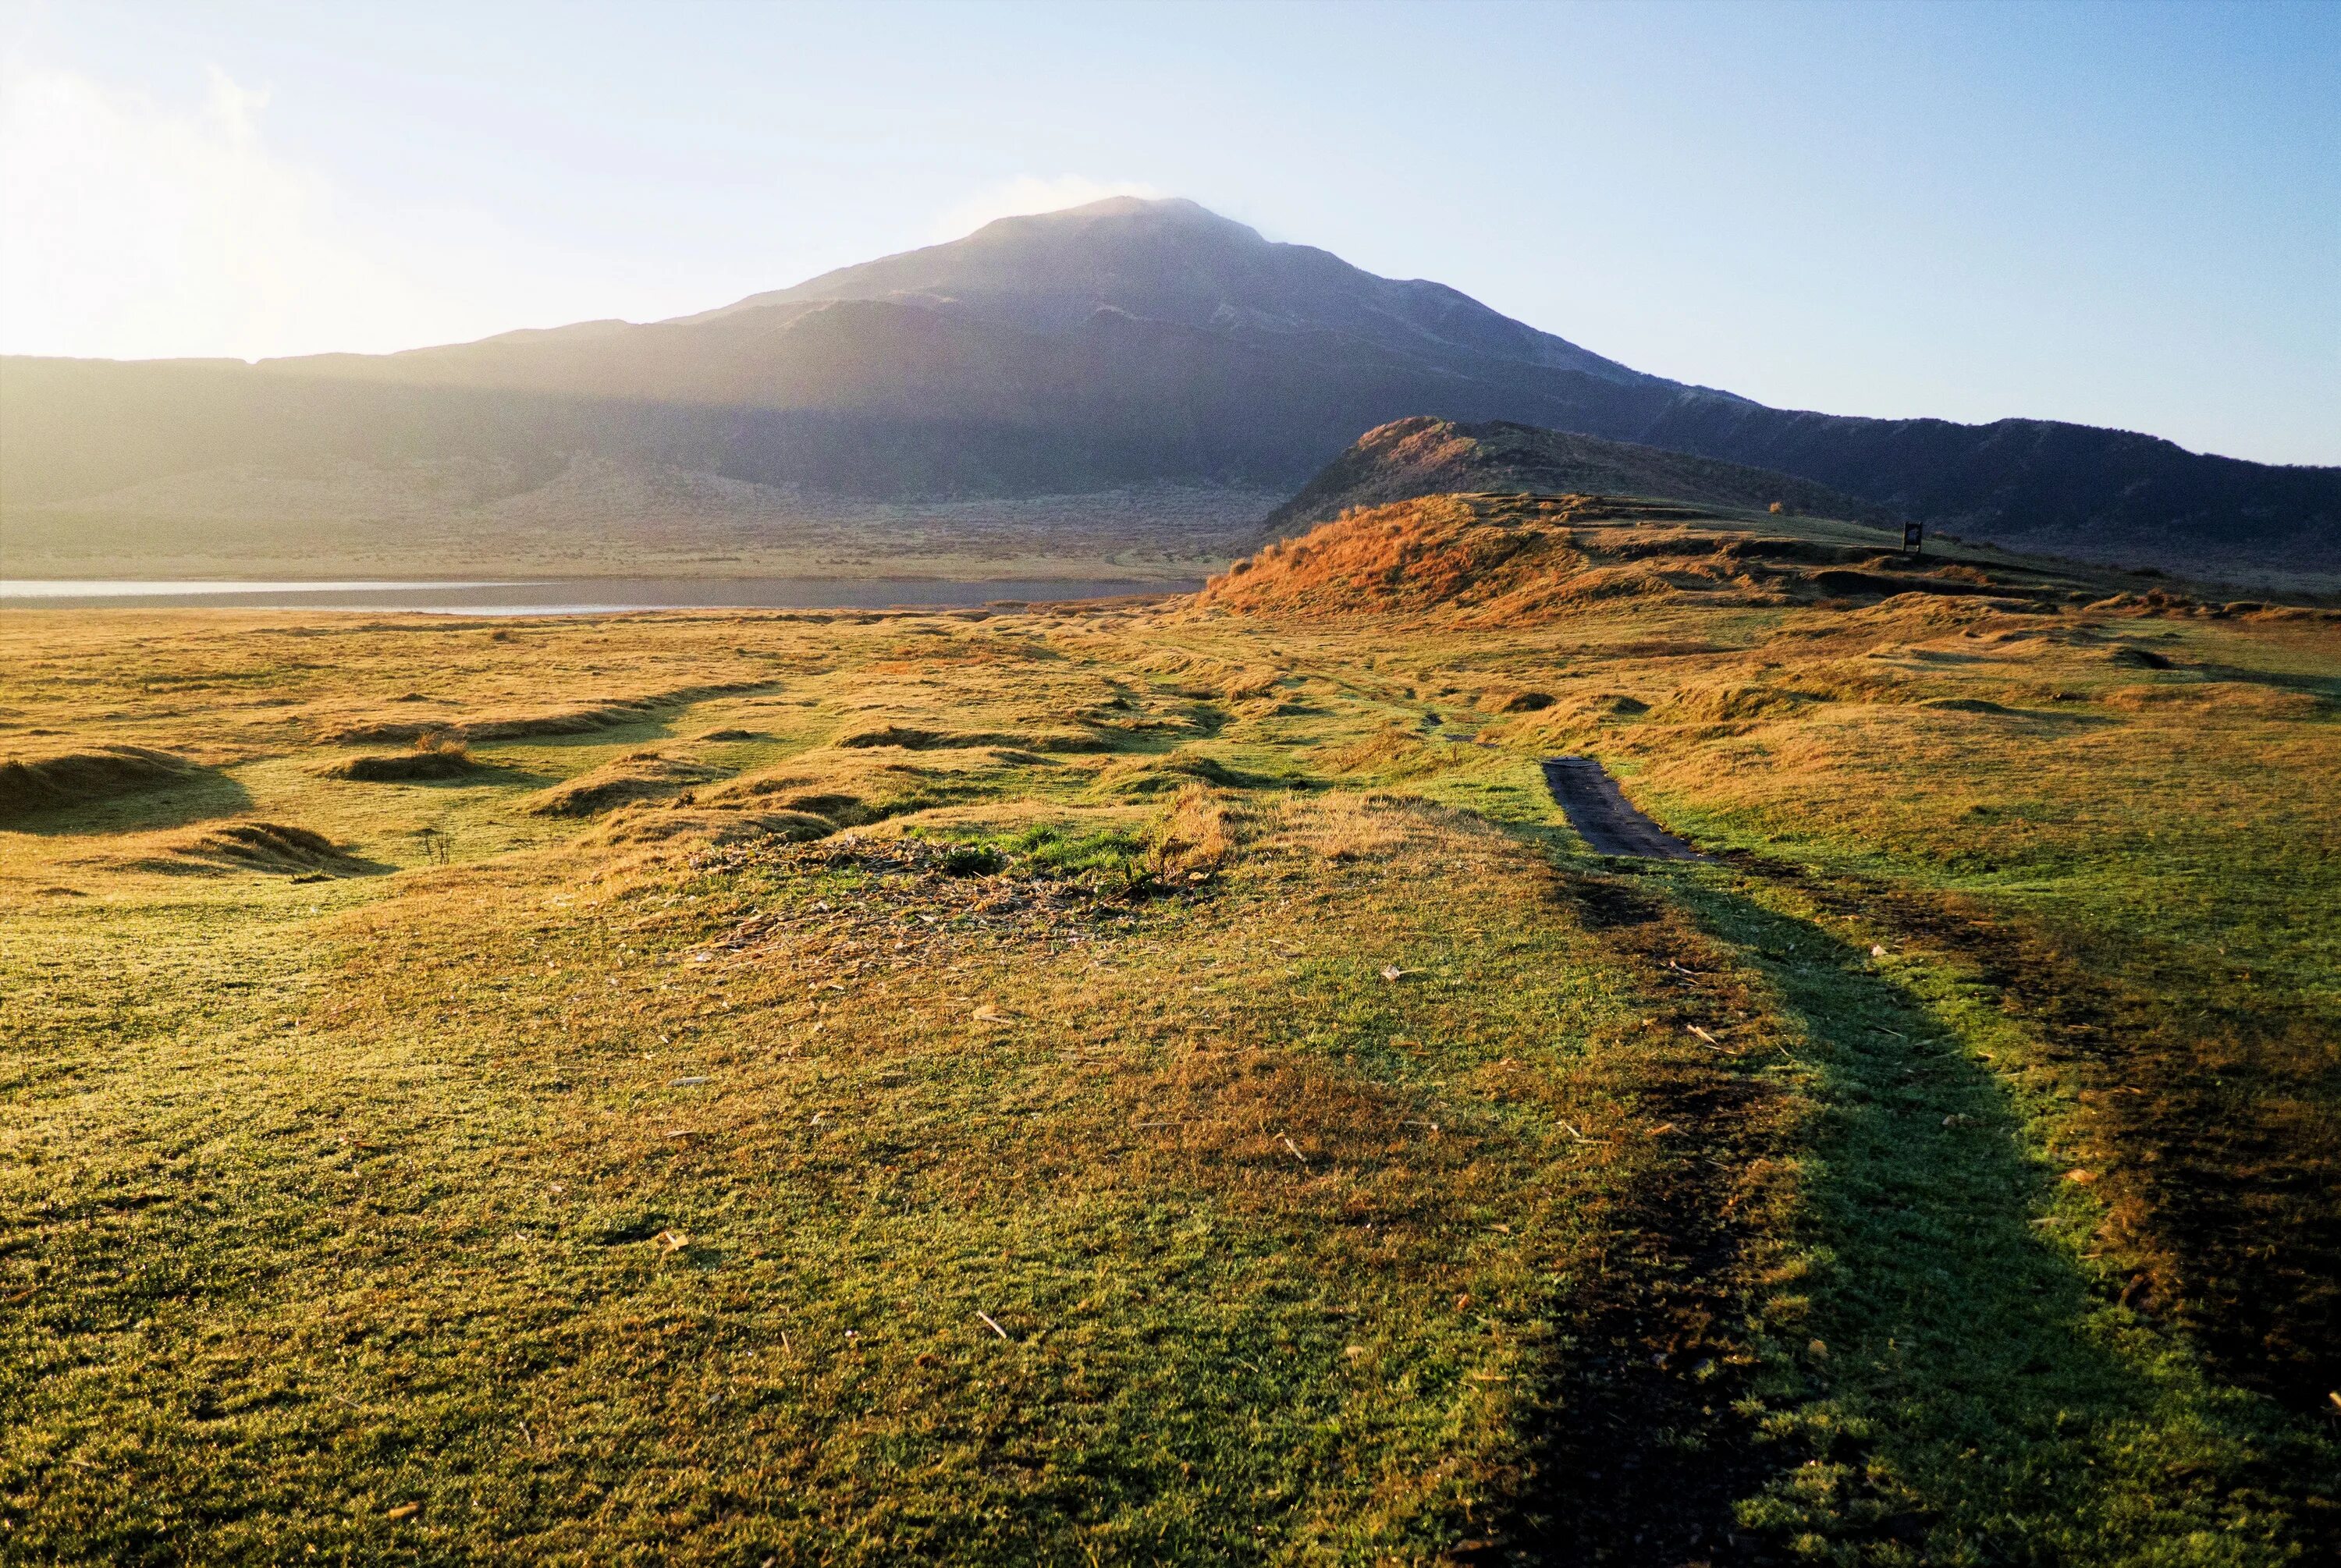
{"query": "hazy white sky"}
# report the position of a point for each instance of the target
(2127, 215)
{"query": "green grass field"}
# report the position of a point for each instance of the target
(1166, 1084)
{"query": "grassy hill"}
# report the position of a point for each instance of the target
(1424, 456)
(1162, 1083)
(1501, 558)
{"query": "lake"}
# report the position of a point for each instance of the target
(561, 596)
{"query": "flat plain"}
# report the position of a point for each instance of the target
(1162, 1082)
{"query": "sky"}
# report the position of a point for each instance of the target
(2119, 215)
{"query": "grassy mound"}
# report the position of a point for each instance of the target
(434, 758)
(712, 825)
(856, 786)
(910, 738)
(576, 719)
(1139, 777)
(268, 846)
(76, 777)
(637, 776)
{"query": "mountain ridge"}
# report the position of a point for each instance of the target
(1127, 342)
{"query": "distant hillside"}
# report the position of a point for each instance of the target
(1491, 560)
(1123, 343)
(1426, 456)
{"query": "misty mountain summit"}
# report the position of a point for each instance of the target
(1174, 261)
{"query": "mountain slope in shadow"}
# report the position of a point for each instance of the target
(1124, 343)
(1424, 456)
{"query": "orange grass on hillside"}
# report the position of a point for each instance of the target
(1490, 560)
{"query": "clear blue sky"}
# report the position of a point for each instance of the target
(2122, 215)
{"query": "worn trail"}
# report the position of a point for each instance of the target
(1602, 815)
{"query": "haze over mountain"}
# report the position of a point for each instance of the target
(1125, 343)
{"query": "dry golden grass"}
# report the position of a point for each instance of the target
(1358, 827)
(1166, 1084)
(1498, 561)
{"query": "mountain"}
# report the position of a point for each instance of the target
(1123, 343)
(1411, 458)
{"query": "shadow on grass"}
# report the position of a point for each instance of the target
(201, 795)
(1948, 1382)
(2325, 686)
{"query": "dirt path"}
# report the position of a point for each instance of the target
(1604, 817)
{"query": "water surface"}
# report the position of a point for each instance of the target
(563, 596)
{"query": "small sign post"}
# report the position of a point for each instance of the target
(1912, 534)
